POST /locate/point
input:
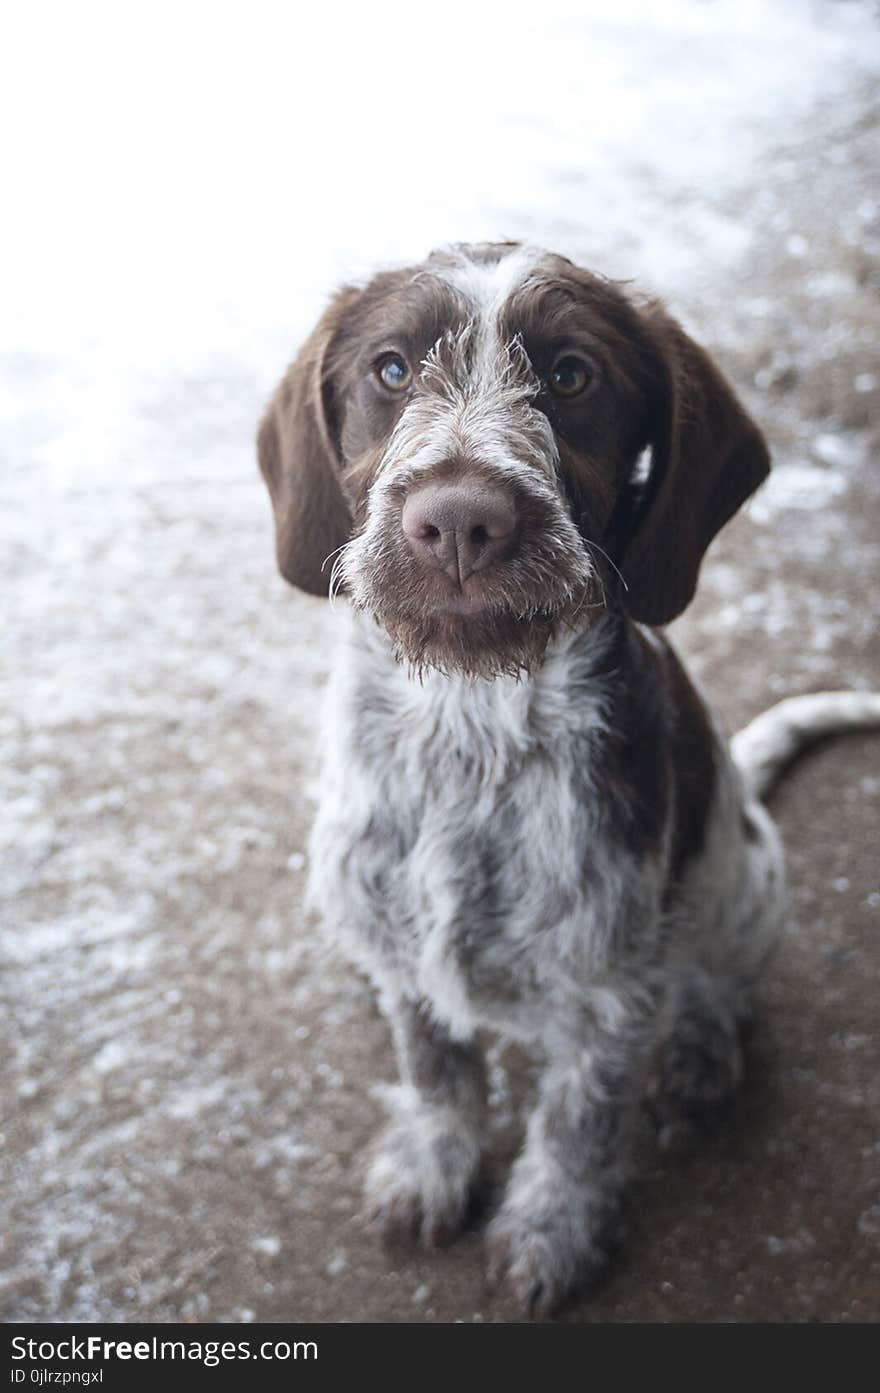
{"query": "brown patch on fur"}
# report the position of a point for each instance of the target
(298, 454)
(636, 791)
(660, 761)
(404, 312)
(694, 767)
(708, 456)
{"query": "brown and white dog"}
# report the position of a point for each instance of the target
(528, 820)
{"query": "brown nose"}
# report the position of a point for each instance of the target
(459, 528)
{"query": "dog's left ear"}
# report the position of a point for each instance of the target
(708, 456)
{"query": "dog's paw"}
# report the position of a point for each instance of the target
(701, 1067)
(422, 1177)
(540, 1254)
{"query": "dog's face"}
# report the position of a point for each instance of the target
(484, 426)
(462, 446)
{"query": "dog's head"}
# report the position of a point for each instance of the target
(484, 448)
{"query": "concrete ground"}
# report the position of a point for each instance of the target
(186, 1073)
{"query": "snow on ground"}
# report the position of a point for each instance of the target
(185, 1079)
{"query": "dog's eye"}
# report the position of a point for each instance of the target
(394, 372)
(569, 376)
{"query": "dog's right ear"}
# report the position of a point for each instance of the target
(299, 459)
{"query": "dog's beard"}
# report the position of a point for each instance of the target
(501, 624)
(490, 645)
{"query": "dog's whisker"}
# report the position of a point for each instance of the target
(332, 553)
(338, 576)
(588, 542)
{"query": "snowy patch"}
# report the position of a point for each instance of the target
(803, 487)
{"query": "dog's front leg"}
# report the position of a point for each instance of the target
(426, 1162)
(557, 1222)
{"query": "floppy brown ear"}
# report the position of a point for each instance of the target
(299, 460)
(708, 456)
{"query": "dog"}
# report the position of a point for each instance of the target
(529, 820)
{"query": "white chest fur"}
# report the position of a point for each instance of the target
(456, 830)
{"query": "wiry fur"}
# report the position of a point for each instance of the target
(539, 830)
(463, 854)
(473, 403)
